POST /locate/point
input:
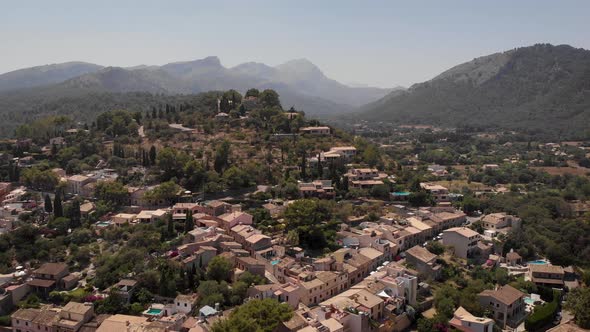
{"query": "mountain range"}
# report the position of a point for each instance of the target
(537, 89)
(299, 82)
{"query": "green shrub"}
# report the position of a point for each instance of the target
(5, 321)
(543, 315)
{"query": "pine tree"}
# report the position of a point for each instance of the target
(57, 208)
(48, 204)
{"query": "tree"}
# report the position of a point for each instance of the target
(152, 155)
(311, 219)
(57, 208)
(269, 98)
(113, 304)
(578, 302)
(252, 93)
(293, 238)
(48, 205)
(219, 269)
(189, 223)
(170, 225)
(166, 192)
(255, 316)
(221, 157)
(445, 307)
(435, 247)
(113, 192)
(371, 155)
(420, 198)
(75, 214)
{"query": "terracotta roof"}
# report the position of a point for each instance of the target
(41, 283)
(421, 254)
(52, 268)
(26, 314)
(546, 268)
(513, 255)
(77, 308)
(505, 294)
(464, 231)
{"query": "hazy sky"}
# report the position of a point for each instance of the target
(382, 43)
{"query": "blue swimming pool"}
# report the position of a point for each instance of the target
(538, 262)
(529, 300)
(275, 262)
(154, 311)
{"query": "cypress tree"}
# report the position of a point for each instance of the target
(48, 204)
(170, 225)
(75, 215)
(57, 208)
(189, 223)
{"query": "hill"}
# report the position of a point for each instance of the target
(36, 91)
(537, 89)
(44, 75)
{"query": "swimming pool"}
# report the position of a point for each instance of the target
(154, 311)
(275, 262)
(529, 301)
(103, 224)
(538, 262)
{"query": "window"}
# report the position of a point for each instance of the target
(185, 304)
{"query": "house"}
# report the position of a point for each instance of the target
(33, 320)
(87, 209)
(506, 304)
(274, 209)
(123, 323)
(496, 221)
(547, 275)
(207, 311)
(323, 130)
(57, 141)
(75, 183)
(125, 288)
(365, 184)
(123, 218)
(215, 208)
(513, 258)
(347, 152)
(317, 188)
(438, 192)
(464, 321)
(48, 277)
(359, 300)
(233, 219)
(251, 265)
(424, 261)
(147, 216)
(185, 303)
(73, 315)
(463, 240)
(257, 242)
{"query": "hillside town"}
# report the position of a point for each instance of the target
(179, 219)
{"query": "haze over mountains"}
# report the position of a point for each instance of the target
(299, 82)
(538, 88)
(541, 88)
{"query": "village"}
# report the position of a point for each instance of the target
(351, 241)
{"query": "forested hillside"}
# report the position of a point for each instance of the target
(537, 89)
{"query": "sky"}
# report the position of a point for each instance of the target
(378, 43)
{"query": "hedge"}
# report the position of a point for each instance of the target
(543, 315)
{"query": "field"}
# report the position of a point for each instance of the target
(581, 171)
